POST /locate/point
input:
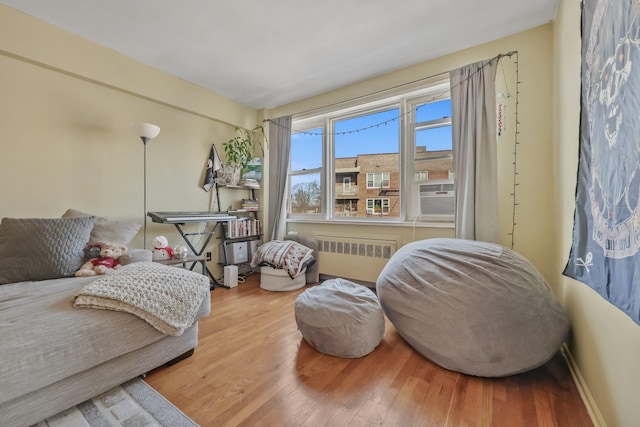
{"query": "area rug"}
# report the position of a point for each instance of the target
(133, 404)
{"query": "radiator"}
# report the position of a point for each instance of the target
(353, 257)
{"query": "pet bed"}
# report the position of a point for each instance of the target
(472, 307)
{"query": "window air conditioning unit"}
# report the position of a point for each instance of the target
(437, 197)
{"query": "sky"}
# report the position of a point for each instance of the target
(370, 134)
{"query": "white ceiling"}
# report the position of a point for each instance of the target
(266, 53)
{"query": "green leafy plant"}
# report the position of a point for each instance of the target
(241, 149)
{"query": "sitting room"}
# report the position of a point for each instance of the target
(170, 153)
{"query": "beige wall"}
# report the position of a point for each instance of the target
(66, 107)
(534, 233)
(606, 342)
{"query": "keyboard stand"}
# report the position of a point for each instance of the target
(197, 252)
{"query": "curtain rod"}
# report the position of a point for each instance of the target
(500, 55)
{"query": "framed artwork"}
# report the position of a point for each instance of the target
(253, 169)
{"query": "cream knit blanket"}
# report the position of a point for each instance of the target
(166, 297)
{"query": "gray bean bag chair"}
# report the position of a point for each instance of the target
(340, 318)
(472, 307)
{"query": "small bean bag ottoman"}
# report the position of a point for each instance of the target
(472, 307)
(340, 318)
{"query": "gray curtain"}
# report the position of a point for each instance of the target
(473, 105)
(279, 149)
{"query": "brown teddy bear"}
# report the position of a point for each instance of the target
(106, 262)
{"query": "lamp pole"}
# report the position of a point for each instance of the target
(146, 131)
(144, 180)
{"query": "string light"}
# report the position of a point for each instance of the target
(516, 142)
(438, 96)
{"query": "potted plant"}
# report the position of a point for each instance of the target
(241, 148)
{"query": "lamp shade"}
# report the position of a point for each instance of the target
(146, 130)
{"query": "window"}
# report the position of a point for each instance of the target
(366, 162)
(433, 159)
(421, 176)
(377, 206)
(346, 184)
(305, 173)
(378, 180)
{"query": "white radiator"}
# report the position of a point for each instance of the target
(353, 257)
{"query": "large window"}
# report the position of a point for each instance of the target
(366, 163)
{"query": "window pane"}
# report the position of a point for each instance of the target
(433, 111)
(367, 153)
(433, 156)
(306, 150)
(378, 207)
(434, 139)
(305, 196)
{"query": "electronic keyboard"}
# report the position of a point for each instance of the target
(190, 216)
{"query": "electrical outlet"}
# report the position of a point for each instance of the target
(208, 255)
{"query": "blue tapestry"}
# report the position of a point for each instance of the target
(606, 232)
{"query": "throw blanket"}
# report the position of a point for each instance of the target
(289, 255)
(166, 297)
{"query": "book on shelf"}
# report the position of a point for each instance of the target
(250, 183)
(243, 227)
(250, 204)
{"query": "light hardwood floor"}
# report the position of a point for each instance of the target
(252, 368)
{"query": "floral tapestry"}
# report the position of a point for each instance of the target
(606, 233)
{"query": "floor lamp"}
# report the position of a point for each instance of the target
(145, 131)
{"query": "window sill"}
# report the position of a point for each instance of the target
(370, 222)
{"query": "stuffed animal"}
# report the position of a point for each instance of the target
(161, 249)
(105, 263)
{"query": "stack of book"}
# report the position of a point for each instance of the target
(250, 204)
(250, 183)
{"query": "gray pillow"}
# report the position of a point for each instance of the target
(42, 248)
(107, 230)
(136, 255)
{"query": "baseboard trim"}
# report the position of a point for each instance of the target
(583, 389)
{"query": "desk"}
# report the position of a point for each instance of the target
(178, 219)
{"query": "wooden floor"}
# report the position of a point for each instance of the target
(252, 368)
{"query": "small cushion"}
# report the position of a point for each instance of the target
(313, 269)
(107, 230)
(289, 255)
(340, 318)
(472, 307)
(42, 248)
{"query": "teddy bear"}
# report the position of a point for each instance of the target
(105, 263)
(161, 249)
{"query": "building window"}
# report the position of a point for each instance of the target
(366, 162)
(378, 180)
(346, 184)
(377, 206)
(421, 176)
